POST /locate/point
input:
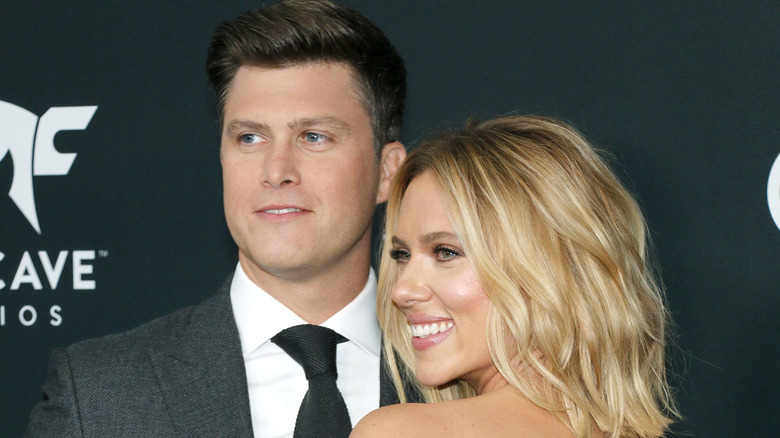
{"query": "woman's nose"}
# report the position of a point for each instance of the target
(411, 286)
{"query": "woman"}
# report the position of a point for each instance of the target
(515, 290)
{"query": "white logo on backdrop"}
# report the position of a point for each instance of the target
(30, 144)
(773, 191)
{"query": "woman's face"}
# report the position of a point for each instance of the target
(438, 291)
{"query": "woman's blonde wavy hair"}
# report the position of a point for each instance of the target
(559, 246)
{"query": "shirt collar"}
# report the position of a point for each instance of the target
(259, 316)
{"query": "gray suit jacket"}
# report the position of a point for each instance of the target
(178, 376)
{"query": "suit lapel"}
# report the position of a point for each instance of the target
(200, 371)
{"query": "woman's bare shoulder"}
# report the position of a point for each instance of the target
(388, 421)
(393, 420)
(444, 419)
(495, 415)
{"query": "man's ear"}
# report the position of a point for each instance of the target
(393, 154)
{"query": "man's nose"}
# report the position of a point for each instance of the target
(281, 166)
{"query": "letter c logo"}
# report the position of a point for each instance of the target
(773, 191)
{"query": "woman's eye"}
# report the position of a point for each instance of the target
(399, 255)
(249, 138)
(445, 254)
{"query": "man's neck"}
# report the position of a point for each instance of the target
(314, 298)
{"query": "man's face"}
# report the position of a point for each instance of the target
(299, 172)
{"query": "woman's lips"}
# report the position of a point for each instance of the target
(427, 335)
(427, 329)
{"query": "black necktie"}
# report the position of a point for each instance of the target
(323, 412)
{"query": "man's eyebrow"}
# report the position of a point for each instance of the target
(246, 125)
(325, 120)
(249, 125)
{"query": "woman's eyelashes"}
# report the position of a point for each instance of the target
(441, 253)
(446, 253)
(400, 255)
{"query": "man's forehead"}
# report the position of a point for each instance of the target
(356, 81)
(247, 76)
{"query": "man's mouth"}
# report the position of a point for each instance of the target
(281, 210)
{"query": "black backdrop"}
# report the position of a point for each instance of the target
(683, 94)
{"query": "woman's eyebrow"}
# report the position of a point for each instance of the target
(439, 235)
(398, 241)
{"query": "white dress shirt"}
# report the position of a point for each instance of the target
(276, 382)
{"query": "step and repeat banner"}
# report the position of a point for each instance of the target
(110, 184)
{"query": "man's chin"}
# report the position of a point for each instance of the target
(278, 265)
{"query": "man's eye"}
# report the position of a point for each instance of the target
(249, 138)
(313, 137)
(399, 255)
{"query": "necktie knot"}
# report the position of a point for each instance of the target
(323, 412)
(312, 346)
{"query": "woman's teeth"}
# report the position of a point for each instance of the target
(425, 330)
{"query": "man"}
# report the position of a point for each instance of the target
(310, 96)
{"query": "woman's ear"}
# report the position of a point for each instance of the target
(393, 154)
